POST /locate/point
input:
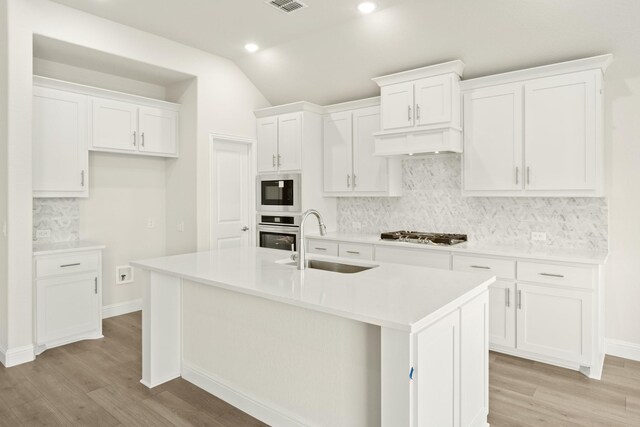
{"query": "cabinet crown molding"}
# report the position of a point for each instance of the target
(456, 66)
(293, 107)
(600, 62)
(352, 105)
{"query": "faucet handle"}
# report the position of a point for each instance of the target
(294, 255)
(323, 229)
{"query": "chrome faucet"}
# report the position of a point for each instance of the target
(302, 256)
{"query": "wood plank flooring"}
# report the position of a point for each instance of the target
(96, 383)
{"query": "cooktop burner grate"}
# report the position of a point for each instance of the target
(425, 238)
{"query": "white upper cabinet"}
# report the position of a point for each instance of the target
(337, 152)
(126, 127)
(114, 125)
(493, 138)
(158, 131)
(397, 108)
(536, 132)
(290, 142)
(60, 156)
(267, 133)
(350, 166)
(420, 111)
(434, 100)
(560, 136)
(280, 143)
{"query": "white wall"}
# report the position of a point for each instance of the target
(3, 177)
(124, 193)
(56, 70)
(320, 369)
(225, 100)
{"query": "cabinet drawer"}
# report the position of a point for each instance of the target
(357, 251)
(421, 257)
(502, 268)
(66, 264)
(322, 247)
(579, 277)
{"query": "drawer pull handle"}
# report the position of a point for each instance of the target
(552, 275)
(70, 265)
(353, 252)
(320, 249)
(483, 267)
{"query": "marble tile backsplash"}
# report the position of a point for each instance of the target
(60, 216)
(432, 201)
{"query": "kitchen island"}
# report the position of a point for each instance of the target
(433, 335)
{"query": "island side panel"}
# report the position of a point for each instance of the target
(161, 330)
(283, 364)
(396, 390)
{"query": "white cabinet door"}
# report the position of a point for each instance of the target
(337, 152)
(493, 138)
(158, 131)
(67, 306)
(290, 142)
(370, 173)
(502, 314)
(397, 106)
(60, 155)
(433, 100)
(554, 322)
(438, 374)
(114, 125)
(560, 132)
(267, 134)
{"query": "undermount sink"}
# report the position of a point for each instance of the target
(336, 267)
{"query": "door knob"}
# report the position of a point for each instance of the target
(245, 228)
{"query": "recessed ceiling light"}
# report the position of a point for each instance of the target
(251, 47)
(366, 7)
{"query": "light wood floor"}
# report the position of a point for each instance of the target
(96, 383)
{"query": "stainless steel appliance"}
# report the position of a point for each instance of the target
(439, 239)
(279, 193)
(279, 231)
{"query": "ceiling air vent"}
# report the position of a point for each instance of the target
(286, 6)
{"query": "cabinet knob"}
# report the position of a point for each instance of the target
(245, 228)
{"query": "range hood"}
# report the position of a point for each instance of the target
(421, 111)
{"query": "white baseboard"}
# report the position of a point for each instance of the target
(241, 400)
(624, 349)
(121, 308)
(17, 356)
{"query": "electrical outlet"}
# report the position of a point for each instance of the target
(180, 227)
(356, 225)
(43, 234)
(538, 236)
(124, 274)
(151, 222)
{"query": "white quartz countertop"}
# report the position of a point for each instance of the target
(390, 295)
(64, 247)
(531, 252)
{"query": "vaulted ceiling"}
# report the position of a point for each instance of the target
(328, 52)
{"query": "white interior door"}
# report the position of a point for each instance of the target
(230, 198)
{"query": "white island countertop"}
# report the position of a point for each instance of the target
(395, 296)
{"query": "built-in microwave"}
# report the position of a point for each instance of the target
(279, 232)
(279, 193)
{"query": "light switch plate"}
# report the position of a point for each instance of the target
(538, 236)
(43, 234)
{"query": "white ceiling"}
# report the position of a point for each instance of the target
(328, 52)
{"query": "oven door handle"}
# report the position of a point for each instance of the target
(283, 230)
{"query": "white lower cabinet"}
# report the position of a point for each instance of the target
(68, 291)
(502, 314)
(554, 322)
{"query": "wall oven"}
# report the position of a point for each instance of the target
(279, 232)
(279, 193)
